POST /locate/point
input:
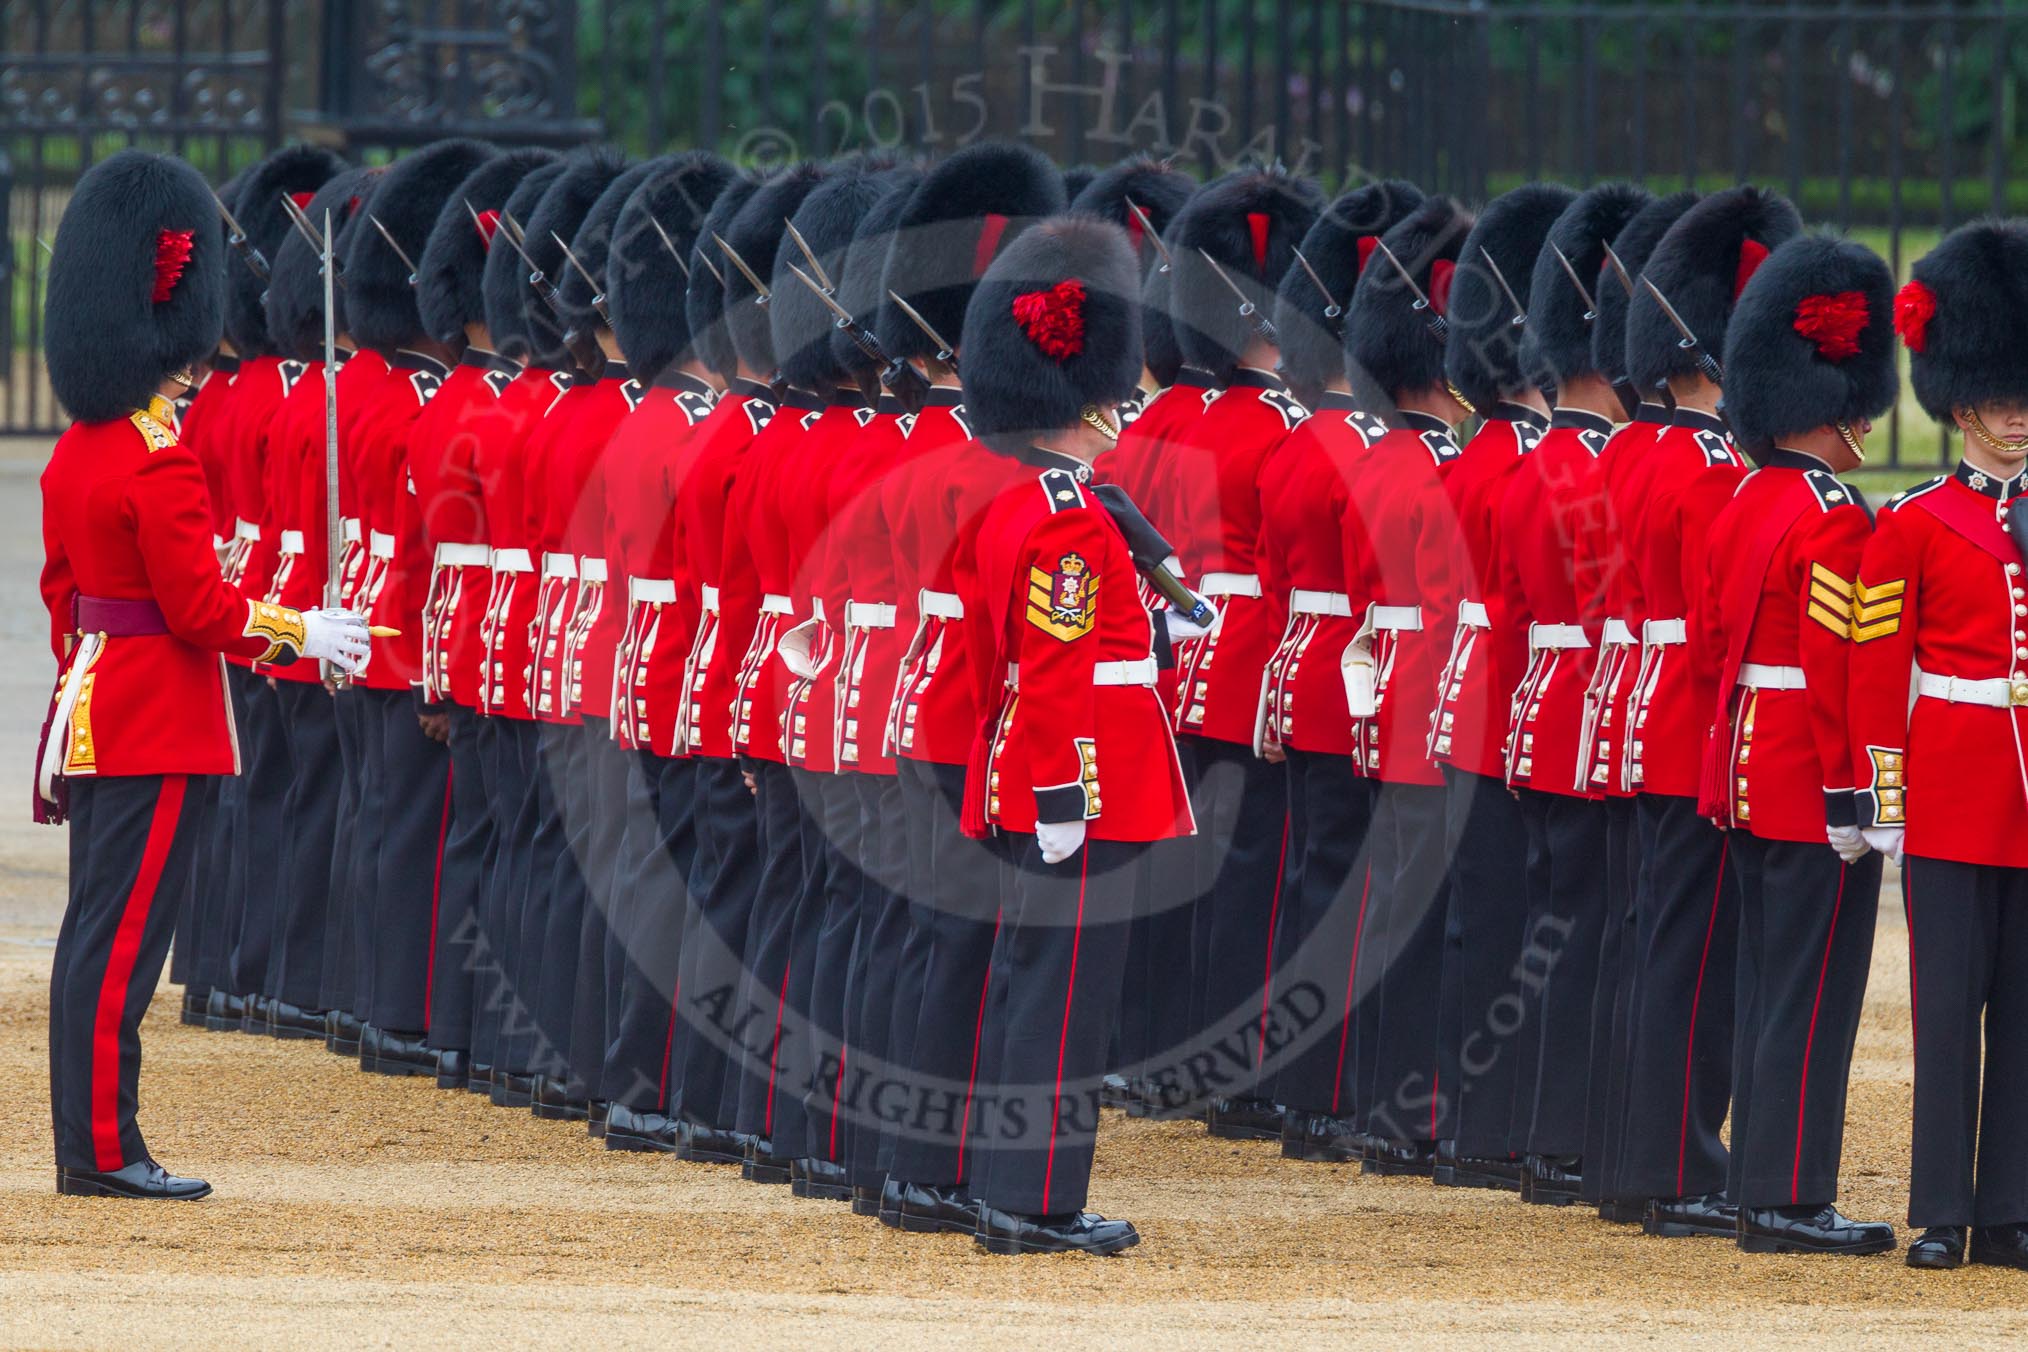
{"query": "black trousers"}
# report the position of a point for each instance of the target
(1679, 1071)
(1320, 931)
(470, 855)
(132, 852)
(547, 944)
(780, 836)
(302, 878)
(219, 917)
(703, 1082)
(346, 976)
(1241, 805)
(184, 961)
(1487, 1009)
(1405, 938)
(871, 1076)
(1968, 949)
(820, 950)
(509, 751)
(597, 852)
(938, 1029)
(644, 938)
(1059, 960)
(1805, 943)
(1163, 989)
(1560, 957)
(266, 774)
(409, 866)
(1612, 1007)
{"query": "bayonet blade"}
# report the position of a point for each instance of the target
(1332, 309)
(1437, 324)
(45, 246)
(237, 238)
(1153, 235)
(303, 225)
(1706, 363)
(399, 252)
(598, 299)
(816, 268)
(946, 354)
(1590, 307)
(711, 268)
(670, 245)
(1619, 270)
(852, 328)
(1247, 309)
(1520, 310)
(761, 292)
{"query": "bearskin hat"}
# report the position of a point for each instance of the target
(704, 304)
(298, 170)
(295, 298)
(1483, 359)
(380, 300)
(964, 212)
(563, 208)
(1634, 244)
(1962, 319)
(859, 272)
(136, 284)
(646, 286)
(1338, 246)
(1249, 224)
(1702, 265)
(1161, 192)
(448, 292)
(802, 324)
(592, 246)
(1054, 326)
(1558, 343)
(517, 319)
(1388, 344)
(757, 231)
(1811, 342)
(1164, 354)
(1077, 178)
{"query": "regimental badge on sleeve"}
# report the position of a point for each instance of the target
(1063, 603)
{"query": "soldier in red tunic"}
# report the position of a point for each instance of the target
(1079, 770)
(1943, 785)
(1809, 361)
(138, 618)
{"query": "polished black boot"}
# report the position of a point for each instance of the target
(1550, 1180)
(192, 1012)
(929, 1210)
(891, 1194)
(369, 1048)
(1941, 1247)
(293, 1023)
(254, 1013)
(820, 1180)
(2001, 1246)
(1686, 1217)
(144, 1180)
(1623, 1211)
(709, 1145)
(1399, 1159)
(398, 1054)
(762, 1164)
(1074, 1232)
(223, 1013)
(343, 1034)
(479, 1078)
(865, 1200)
(1245, 1119)
(551, 1101)
(1810, 1229)
(511, 1090)
(453, 1070)
(1452, 1170)
(630, 1129)
(595, 1114)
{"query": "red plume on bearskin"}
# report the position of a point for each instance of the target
(172, 255)
(1441, 273)
(1054, 319)
(1914, 307)
(1752, 253)
(1834, 323)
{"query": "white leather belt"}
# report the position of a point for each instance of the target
(348, 529)
(1230, 584)
(1397, 618)
(708, 594)
(243, 529)
(462, 556)
(869, 615)
(1663, 633)
(774, 603)
(1761, 676)
(1995, 693)
(292, 542)
(1616, 631)
(1542, 637)
(1305, 601)
(650, 591)
(380, 545)
(559, 565)
(1141, 671)
(591, 570)
(1472, 615)
(941, 605)
(512, 561)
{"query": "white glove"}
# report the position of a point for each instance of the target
(337, 636)
(1059, 840)
(1848, 842)
(1886, 839)
(1182, 627)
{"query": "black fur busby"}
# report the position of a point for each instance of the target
(1702, 265)
(1164, 355)
(136, 284)
(1634, 244)
(1053, 327)
(1161, 192)
(704, 304)
(964, 212)
(565, 204)
(1964, 319)
(520, 324)
(1077, 178)
(1389, 347)
(380, 303)
(1484, 357)
(1249, 223)
(295, 299)
(646, 285)
(592, 245)
(756, 233)
(295, 169)
(1558, 346)
(801, 324)
(453, 263)
(1338, 246)
(1811, 342)
(859, 273)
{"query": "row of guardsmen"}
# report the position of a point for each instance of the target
(746, 582)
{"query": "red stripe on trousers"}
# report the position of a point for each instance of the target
(775, 1053)
(436, 900)
(112, 1005)
(1690, 1051)
(1063, 1039)
(1810, 1038)
(837, 1092)
(669, 1043)
(1267, 981)
(1351, 969)
(978, 1032)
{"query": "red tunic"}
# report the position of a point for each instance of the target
(258, 391)
(1627, 466)
(203, 428)
(760, 547)
(512, 604)
(809, 483)
(398, 559)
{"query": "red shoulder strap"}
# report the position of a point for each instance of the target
(1970, 516)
